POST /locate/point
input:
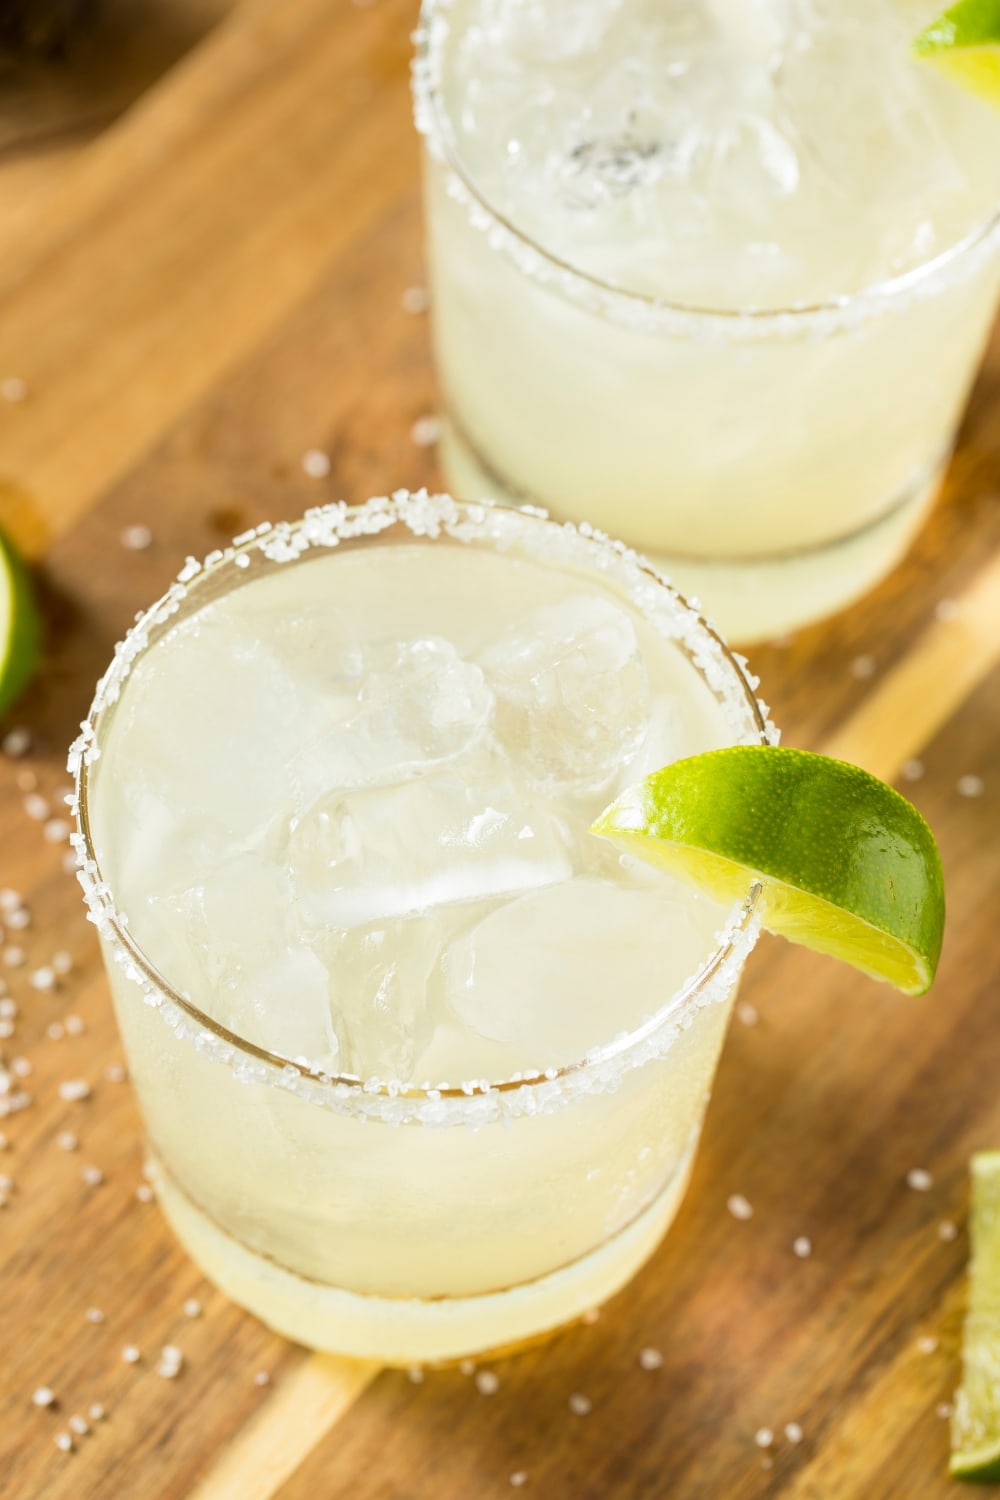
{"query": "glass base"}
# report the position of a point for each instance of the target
(751, 599)
(407, 1331)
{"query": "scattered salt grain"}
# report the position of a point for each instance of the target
(67, 1141)
(192, 1308)
(468, 1367)
(131, 1355)
(6, 1030)
(650, 1359)
(746, 1013)
(415, 300)
(14, 957)
(56, 831)
(94, 1315)
(802, 1247)
(44, 1396)
(927, 1343)
(315, 463)
(912, 770)
(92, 1176)
(20, 1067)
(37, 808)
(591, 1315)
(19, 919)
(74, 1026)
(763, 1437)
(144, 1193)
(74, 1088)
(970, 786)
(8, 1009)
(115, 1073)
(6, 1183)
(519, 1477)
(487, 1384)
(415, 1375)
(13, 388)
(136, 538)
(863, 668)
(62, 962)
(16, 742)
(793, 1432)
(64, 1442)
(262, 1377)
(947, 1230)
(78, 1425)
(43, 978)
(944, 1410)
(739, 1207)
(425, 431)
(95, 1411)
(580, 1405)
(919, 1180)
(10, 900)
(947, 609)
(55, 1031)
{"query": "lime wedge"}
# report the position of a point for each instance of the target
(20, 632)
(975, 1426)
(965, 44)
(847, 865)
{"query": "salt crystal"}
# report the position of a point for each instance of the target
(927, 1343)
(18, 920)
(802, 1247)
(947, 1230)
(78, 1425)
(74, 1088)
(912, 770)
(8, 1009)
(316, 463)
(6, 1030)
(94, 1315)
(192, 1308)
(136, 538)
(425, 431)
(16, 742)
(793, 1432)
(13, 388)
(262, 1378)
(650, 1359)
(14, 957)
(64, 1442)
(944, 1410)
(92, 1176)
(67, 1141)
(518, 1478)
(415, 1374)
(10, 900)
(947, 609)
(739, 1207)
(970, 786)
(131, 1355)
(62, 962)
(43, 978)
(56, 831)
(581, 1405)
(746, 1013)
(37, 808)
(144, 1193)
(74, 1026)
(919, 1180)
(763, 1437)
(591, 1315)
(487, 1383)
(95, 1411)
(468, 1367)
(6, 1183)
(20, 1067)
(55, 1031)
(115, 1073)
(415, 300)
(863, 667)
(44, 1396)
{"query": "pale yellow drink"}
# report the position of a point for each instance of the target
(714, 275)
(422, 1062)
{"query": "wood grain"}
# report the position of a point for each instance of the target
(212, 289)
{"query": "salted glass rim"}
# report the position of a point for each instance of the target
(428, 517)
(434, 123)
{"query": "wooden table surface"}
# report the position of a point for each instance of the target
(208, 222)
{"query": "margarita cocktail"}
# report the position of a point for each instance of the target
(712, 274)
(422, 1062)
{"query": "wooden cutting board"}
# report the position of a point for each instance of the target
(201, 280)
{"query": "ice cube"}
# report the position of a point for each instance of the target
(360, 857)
(280, 999)
(555, 973)
(572, 699)
(379, 982)
(551, 31)
(419, 706)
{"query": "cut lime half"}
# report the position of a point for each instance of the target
(847, 865)
(20, 631)
(975, 1426)
(965, 44)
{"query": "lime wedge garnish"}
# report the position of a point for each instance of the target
(20, 631)
(975, 1426)
(847, 865)
(965, 44)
